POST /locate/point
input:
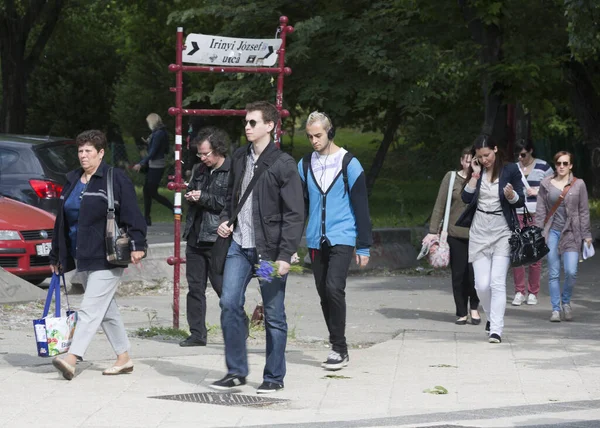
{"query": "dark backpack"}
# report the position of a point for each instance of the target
(345, 161)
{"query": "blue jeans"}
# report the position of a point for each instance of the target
(570, 260)
(239, 269)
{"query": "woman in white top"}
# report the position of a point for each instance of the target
(533, 171)
(493, 190)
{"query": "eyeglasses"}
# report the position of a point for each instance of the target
(252, 123)
(523, 155)
(566, 163)
(204, 155)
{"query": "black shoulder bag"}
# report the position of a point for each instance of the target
(221, 245)
(118, 251)
(527, 245)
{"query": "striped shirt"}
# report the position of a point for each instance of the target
(243, 234)
(540, 170)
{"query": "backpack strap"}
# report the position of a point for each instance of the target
(305, 166)
(345, 162)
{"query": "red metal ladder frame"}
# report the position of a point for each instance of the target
(178, 111)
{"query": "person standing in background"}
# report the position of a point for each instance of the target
(463, 281)
(564, 213)
(158, 147)
(533, 171)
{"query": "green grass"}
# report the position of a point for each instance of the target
(163, 332)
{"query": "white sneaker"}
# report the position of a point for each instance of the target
(519, 299)
(555, 316)
(531, 299)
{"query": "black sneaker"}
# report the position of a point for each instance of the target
(336, 361)
(269, 388)
(495, 338)
(487, 326)
(192, 341)
(228, 382)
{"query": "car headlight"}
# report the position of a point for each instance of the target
(9, 235)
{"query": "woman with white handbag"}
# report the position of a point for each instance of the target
(450, 206)
(493, 190)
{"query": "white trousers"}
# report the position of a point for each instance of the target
(99, 308)
(490, 283)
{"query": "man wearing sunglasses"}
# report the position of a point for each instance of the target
(205, 195)
(268, 228)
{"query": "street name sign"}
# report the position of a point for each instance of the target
(216, 50)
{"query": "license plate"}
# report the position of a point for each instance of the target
(43, 249)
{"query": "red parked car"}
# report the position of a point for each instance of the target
(25, 240)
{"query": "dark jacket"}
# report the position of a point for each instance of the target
(205, 212)
(91, 248)
(577, 225)
(158, 145)
(510, 174)
(277, 201)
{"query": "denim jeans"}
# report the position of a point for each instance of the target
(239, 268)
(570, 260)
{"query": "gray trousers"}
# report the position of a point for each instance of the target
(99, 308)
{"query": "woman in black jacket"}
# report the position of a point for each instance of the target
(155, 160)
(79, 238)
(493, 190)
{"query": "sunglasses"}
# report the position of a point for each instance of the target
(523, 155)
(566, 163)
(251, 122)
(204, 155)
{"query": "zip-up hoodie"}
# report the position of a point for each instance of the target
(91, 247)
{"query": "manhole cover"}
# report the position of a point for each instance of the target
(223, 399)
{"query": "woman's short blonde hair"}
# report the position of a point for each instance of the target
(154, 121)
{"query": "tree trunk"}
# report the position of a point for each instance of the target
(392, 121)
(489, 37)
(16, 23)
(13, 111)
(585, 103)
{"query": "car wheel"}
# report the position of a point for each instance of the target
(37, 281)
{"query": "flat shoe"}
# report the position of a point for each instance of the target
(461, 321)
(67, 370)
(475, 321)
(117, 370)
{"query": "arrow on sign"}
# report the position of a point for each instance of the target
(196, 49)
(270, 52)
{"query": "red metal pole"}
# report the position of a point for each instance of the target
(178, 111)
(283, 29)
(178, 181)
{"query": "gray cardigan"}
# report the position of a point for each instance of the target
(577, 226)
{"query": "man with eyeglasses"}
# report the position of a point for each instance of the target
(206, 194)
(268, 228)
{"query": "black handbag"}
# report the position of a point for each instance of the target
(527, 244)
(221, 246)
(118, 250)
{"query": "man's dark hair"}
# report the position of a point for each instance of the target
(217, 138)
(94, 137)
(268, 110)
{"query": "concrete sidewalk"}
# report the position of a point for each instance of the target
(403, 341)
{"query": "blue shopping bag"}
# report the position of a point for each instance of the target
(53, 334)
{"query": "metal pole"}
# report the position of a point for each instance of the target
(283, 29)
(178, 181)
